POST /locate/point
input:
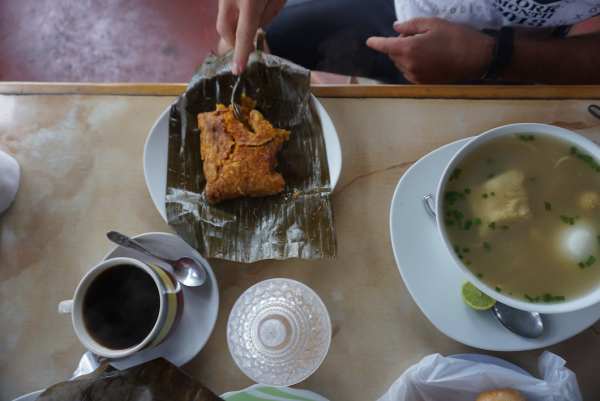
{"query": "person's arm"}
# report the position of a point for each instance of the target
(238, 21)
(431, 50)
(573, 60)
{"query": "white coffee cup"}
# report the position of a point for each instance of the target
(170, 307)
(436, 210)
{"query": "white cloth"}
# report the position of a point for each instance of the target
(494, 14)
(10, 174)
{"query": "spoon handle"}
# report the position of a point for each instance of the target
(123, 240)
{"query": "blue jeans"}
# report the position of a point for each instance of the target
(330, 35)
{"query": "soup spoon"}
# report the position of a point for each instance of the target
(187, 271)
(526, 324)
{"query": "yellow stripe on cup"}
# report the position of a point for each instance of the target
(170, 305)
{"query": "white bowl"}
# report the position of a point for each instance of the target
(584, 144)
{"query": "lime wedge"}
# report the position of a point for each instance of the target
(475, 298)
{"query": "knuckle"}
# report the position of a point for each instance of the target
(409, 49)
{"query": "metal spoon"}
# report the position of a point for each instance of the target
(594, 110)
(187, 271)
(523, 323)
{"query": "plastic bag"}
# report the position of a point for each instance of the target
(439, 378)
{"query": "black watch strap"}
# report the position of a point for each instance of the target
(503, 51)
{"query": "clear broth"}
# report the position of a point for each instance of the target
(525, 256)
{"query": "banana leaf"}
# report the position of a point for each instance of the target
(297, 223)
(157, 380)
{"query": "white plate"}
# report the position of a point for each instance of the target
(29, 397)
(201, 305)
(156, 154)
(256, 392)
(434, 282)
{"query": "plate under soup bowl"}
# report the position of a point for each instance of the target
(495, 214)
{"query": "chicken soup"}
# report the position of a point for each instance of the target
(523, 214)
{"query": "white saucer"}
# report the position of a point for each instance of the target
(201, 305)
(434, 282)
(156, 154)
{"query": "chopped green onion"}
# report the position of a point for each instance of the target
(498, 289)
(484, 196)
(453, 196)
(548, 206)
(492, 225)
(552, 298)
(455, 174)
(568, 220)
(587, 159)
(487, 246)
(547, 298)
(468, 224)
(467, 190)
(504, 227)
(479, 275)
(477, 221)
(590, 260)
(526, 138)
(492, 193)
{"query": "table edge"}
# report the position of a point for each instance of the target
(327, 91)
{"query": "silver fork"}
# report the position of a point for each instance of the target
(237, 108)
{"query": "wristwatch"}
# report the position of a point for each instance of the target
(503, 51)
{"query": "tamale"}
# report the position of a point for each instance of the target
(238, 160)
(296, 223)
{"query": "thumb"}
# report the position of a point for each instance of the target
(381, 44)
(413, 26)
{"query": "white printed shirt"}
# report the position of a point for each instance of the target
(494, 14)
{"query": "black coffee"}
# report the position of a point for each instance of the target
(121, 306)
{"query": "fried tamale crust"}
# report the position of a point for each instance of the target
(237, 161)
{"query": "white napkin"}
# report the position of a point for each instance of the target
(10, 174)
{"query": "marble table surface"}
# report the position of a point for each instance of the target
(82, 175)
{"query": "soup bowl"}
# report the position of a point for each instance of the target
(437, 211)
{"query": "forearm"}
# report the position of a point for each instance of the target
(573, 60)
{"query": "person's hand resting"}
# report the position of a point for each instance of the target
(238, 21)
(432, 50)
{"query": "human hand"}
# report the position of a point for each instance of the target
(238, 21)
(432, 50)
